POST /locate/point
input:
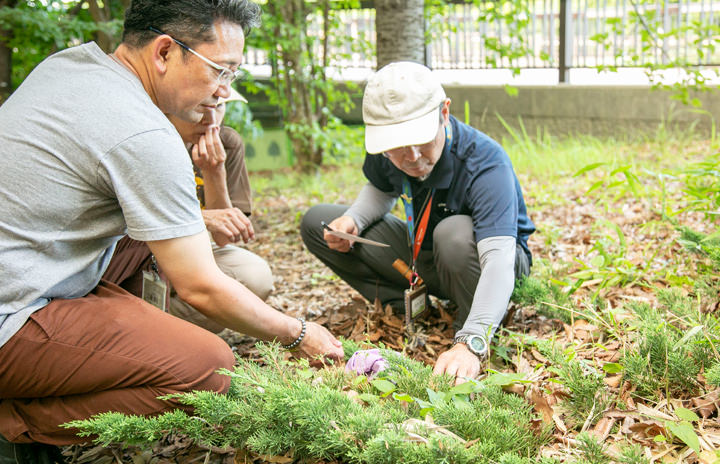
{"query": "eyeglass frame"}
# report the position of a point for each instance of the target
(224, 71)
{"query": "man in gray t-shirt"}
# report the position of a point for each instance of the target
(86, 156)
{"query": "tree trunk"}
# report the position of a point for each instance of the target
(102, 14)
(5, 57)
(400, 26)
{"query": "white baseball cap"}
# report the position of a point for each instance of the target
(401, 106)
(234, 96)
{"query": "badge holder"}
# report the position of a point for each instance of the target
(415, 297)
(154, 288)
(415, 303)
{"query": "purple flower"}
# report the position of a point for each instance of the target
(367, 362)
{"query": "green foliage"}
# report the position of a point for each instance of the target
(298, 36)
(610, 264)
(240, 117)
(656, 33)
(287, 408)
(588, 396)
(498, 419)
(701, 184)
(593, 452)
(40, 29)
(504, 49)
(705, 245)
(545, 296)
(665, 358)
(712, 375)
(633, 454)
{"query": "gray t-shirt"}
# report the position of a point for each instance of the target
(85, 157)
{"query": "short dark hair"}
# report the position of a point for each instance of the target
(190, 21)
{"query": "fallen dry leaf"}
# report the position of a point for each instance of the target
(613, 381)
(541, 405)
(706, 405)
(603, 427)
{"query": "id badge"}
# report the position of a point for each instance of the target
(154, 289)
(415, 303)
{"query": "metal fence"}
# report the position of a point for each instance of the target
(554, 34)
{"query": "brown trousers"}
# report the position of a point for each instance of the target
(107, 351)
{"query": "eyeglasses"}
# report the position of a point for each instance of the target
(226, 76)
(402, 152)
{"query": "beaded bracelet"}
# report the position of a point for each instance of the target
(300, 337)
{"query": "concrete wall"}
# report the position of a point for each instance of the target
(567, 110)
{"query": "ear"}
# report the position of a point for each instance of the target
(160, 52)
(446, 110)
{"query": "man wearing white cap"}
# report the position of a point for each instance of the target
(223, 188)
(466, 226)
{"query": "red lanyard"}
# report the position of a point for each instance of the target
(422, 228)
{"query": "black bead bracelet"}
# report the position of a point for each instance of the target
(300, 337)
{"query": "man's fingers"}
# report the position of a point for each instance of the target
(336, 243)
(194, 153)
(319, 341)
(202, 147)
(439, 366)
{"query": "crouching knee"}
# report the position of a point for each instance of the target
(454, 244)
(215, 355)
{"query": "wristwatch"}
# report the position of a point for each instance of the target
(475, 343)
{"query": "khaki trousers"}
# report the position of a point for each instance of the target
(107, 351)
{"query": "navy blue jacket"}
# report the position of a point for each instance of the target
(474, 176)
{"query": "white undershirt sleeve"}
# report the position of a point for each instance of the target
(370, 205)
(493, 291)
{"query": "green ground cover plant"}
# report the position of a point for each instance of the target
(287, 409)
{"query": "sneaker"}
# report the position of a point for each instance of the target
(29, 453)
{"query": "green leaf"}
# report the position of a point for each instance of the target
(686, 414)
(368, 397)
(403, 397)
(435, 398)
(612, 368)
(690, 334)
(511, 91)
(588, 168)
(598, 261)
(462, 402)
(423, 404)
(685, 432)
(463, 388)
(503, 379)
(384, 386)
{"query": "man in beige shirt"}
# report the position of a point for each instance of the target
(223, 186)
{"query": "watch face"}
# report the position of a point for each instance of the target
(477, 344)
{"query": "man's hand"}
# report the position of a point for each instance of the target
(459, 362)
(319, 341)
(343, 224)
(228, 225)
(209, 154)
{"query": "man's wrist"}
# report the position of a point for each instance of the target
(476, 344)
(216, 173)
(296, 340)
